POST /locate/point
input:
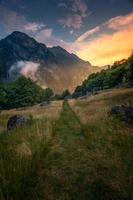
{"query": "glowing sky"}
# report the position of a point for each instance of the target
(100, 31)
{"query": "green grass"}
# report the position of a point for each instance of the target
(99, 158)
(69, 158)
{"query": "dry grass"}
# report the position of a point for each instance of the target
(50, 111)
(96, 107)
(81, 153)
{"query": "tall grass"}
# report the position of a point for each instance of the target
(69, 158)
(20, 151)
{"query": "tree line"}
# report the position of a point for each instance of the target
(120, 74)
(22, 92)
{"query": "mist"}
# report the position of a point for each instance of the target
(25, 68)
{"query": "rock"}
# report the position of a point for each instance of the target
(116, 109)
(125, 112)
(45, 103)
(15, 121)
(129, 112)
(89, 93)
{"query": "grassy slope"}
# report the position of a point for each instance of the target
(83, 153)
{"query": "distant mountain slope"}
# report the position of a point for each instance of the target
(50, 67)
(118, 75)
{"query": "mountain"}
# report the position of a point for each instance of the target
(50, 67)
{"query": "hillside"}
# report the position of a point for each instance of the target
(118, 75)
(73, 151)
(23, 55)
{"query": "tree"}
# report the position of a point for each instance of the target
(65, 94)
(3, 96)
(48, 93)
(131, 69)
(57, 97)
(20, 93)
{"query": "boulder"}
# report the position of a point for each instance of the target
(125, 112)
(45, 103)
(16, 120)
(117, 109)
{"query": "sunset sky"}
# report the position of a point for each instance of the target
(100, 31)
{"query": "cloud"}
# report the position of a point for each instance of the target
(47, 37)
(74, 18)
(87, 34)
(107, 42)
(106, 47)
(81, 6)
(71, 32)
(13, 21)
(33, 26)
(113, 24)
(103, 48)
(44, 34)
(120, 22)
(27, 69)
(71, 21)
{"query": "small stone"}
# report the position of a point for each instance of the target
(125, 112)
(16, 120)
(45, 103)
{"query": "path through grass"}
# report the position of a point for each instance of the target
(77, 162)
(82, 166)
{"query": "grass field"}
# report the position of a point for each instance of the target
(69, 151)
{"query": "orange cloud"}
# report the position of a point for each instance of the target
(107, 48)
(120, 21)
